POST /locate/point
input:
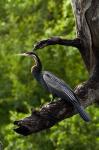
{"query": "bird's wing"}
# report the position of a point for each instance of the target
(59, 85)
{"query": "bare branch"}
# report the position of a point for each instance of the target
(48, 116)
(54, 112)
(57, 40)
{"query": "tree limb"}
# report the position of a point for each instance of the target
(56, 111)
(57, 40)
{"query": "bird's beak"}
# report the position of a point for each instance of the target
(23, 54)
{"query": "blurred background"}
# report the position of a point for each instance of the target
(22, 24)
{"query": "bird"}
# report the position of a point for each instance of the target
(54, 85)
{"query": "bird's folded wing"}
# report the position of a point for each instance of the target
(54, 82)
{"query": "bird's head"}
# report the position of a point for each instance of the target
(35, 57)
(30, 54)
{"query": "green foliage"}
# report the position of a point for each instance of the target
(22, 23)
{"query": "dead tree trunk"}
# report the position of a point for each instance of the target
(87, 42)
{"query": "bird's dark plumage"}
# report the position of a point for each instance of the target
(55, 86)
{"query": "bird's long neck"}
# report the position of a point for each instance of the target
(37, 69)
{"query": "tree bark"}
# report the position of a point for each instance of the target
(87, 41)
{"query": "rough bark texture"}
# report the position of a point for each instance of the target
(87, 41)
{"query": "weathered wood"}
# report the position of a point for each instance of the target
(80, 8)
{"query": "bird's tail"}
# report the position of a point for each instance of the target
(82, 113)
